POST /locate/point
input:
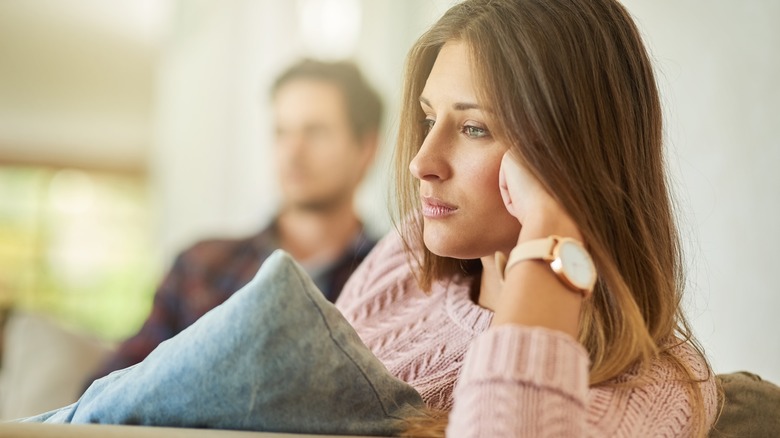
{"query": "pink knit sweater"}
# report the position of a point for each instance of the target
(507, 381)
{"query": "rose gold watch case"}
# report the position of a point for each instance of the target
(556, 263)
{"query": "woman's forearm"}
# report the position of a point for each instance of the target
(532, 294)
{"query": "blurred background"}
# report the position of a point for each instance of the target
(129, 129)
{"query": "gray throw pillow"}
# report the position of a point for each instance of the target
(276, 356)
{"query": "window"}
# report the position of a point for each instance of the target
(77, 245)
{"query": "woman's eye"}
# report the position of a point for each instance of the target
(427, 125)
(475, 131)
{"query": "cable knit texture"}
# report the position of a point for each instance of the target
(509, 381)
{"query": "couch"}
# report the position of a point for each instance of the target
(43, 366)
(11, 430)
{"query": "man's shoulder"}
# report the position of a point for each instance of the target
(217, 244)
(219, 249)
(361, 246)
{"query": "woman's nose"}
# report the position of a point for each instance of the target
(430, 163)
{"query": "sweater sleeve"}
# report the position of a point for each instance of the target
(529, 381)
(521, 381)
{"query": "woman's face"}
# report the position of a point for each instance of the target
(457, 165)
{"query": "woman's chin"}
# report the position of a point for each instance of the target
(448, 248)
(437, 246)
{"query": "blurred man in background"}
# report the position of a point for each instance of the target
(327, 131)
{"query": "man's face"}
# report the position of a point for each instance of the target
(318, 159)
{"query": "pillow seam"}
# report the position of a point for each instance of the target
(341, 348)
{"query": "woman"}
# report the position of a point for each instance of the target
(531, 126)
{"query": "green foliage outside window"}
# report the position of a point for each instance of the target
(77, 245)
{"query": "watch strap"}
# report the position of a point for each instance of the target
(537, 249)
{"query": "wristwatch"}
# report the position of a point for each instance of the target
(568, 258)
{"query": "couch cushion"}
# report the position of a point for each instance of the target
(276, 356)
(44, 364)
(751, 407)
(40, 430)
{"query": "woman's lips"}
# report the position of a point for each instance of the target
(433, 208)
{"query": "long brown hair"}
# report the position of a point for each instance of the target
(572, 91)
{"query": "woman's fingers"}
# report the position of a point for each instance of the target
(504, 189)
(523, 194)
(515, 184)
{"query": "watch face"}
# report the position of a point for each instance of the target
(575, 263)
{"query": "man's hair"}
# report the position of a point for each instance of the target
(364, 106)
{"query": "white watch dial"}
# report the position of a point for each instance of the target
(576, 264)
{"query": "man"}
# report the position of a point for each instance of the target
(327, 124)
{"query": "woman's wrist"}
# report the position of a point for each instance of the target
(531, 294)
(547, 222)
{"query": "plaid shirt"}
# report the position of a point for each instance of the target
(207, 274)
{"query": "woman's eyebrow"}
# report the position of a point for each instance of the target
(463, 106)
(458, 106)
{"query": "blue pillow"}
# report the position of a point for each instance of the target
(276, 356)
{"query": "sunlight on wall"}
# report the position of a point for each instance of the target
(329, 28)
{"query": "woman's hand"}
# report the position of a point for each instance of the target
(526, 199)
(531, 294)
(522, 192)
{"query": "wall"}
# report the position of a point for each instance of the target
(718, 66)
(75, 82)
